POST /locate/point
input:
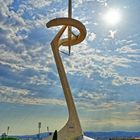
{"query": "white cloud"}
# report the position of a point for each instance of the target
(33, 58)
(86, 61)
(41, 80)
(128, 49)
(78, 2)
(4, 7)
(121, 80)
(23, 96)
(100, 102)
(12, 25)
(9, 56)
(91, 36)
(31, 101)
(94, 101)
(110, 124)
(8, 91)
(40, 3)
(91, 95)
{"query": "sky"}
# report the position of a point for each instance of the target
(103, 70)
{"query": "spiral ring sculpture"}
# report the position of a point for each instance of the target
(72, 129)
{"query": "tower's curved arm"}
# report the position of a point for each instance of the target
(68, 22)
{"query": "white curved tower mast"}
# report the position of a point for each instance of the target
(72, 129)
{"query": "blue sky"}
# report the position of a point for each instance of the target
(103, 70)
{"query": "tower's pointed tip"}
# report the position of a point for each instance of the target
(69, 50)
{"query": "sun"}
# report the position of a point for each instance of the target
(112, 17)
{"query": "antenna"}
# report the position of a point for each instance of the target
(69, 27)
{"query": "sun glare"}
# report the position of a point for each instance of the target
(112, 17)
